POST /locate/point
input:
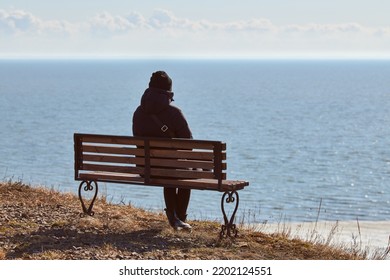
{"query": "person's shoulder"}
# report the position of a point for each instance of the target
(175, 109)
(176, 113)
(138, 110)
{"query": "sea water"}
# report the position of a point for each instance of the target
(311, 136)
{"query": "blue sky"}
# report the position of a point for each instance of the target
(174, 28)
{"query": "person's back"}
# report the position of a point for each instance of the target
(157, 102)
(156, 117)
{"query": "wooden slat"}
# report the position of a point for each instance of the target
(175, 173)
(183, 154)
(77, 154)
(109, 168)
(181, 163)
(201, 184)
(116, 177)
(112, 150)
(113, 159)
(111, 139)
(181, 144)
(218, 162)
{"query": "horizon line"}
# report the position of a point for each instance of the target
(191, 57)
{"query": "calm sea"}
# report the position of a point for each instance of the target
(311, 137)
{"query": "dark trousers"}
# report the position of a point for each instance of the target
(177, 200)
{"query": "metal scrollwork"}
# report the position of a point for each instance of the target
(88, 186)
(229, 228)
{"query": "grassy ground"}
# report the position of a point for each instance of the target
(38, 223)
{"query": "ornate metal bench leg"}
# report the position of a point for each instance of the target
(88, 186)
(229, 228)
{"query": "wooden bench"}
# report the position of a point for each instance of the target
(164, 162)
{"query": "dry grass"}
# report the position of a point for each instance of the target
(2, 254)
(37, 223)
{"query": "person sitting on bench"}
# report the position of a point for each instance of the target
(157, 117)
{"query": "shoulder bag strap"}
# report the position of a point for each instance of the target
(164, 128)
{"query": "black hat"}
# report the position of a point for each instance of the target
(161, 80)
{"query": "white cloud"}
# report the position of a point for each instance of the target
(165, 33)
(18, 22)
(325, 29)
(109, 24)
(136, 19)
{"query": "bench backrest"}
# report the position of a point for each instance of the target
(140, 160)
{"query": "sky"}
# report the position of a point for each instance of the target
(210, 29)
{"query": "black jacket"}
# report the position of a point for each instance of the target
(156, 102)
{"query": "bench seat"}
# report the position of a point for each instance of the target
(199, 184)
